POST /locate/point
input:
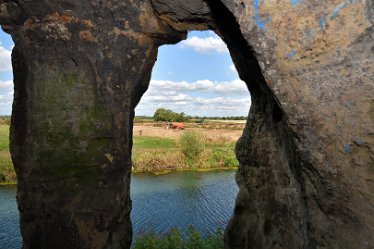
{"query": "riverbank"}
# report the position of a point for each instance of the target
(7, 173)
(8, 183)
(159, 150)
(156, 150)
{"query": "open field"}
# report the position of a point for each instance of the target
(7, 173)
(210, 134)
(215, 124)
(156, 149)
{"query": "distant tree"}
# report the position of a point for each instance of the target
(162, 114)
(181, 117)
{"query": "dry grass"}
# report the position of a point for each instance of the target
(210, 134)
(156, 149)
(7, 173)
(155, 160)
(168, 156)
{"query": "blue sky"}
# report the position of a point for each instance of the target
(195, 76)
(6, 75)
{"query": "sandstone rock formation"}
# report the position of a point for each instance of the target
(306, 172)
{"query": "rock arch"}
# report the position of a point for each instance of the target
(306, 155)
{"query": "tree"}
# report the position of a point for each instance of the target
(162, 114)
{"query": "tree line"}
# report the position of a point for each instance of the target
(162, 114)
(167, 115)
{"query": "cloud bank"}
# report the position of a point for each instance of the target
(202, 98)
(235, 87)
(5, 59)
(207, 45)
(6, 96)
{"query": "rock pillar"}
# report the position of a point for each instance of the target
(80, 68)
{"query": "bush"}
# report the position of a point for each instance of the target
(162, 114)
(224, 157)
(7, 173)
(192, 145)
(175, 240)
(157, 162)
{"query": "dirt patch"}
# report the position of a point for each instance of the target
(210, 134)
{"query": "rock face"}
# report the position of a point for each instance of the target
(306, 172)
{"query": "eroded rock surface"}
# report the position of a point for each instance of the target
(306, 172)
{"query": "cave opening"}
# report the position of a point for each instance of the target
(80, 68)
(197, 82)
(10, 236)
(255, 148)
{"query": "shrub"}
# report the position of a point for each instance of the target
(192, 145)
(224, 157)
(170, 240)
(150, 162)
(2, 177)
(175, 240)
(7, 173)
(162, 114)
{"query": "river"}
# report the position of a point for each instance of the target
(204, 200)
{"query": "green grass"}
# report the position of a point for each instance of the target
(192, 145)
(152, 142)
(174, 240)
(150, 154)
(4, 137)
(224, 157)
(7, 173)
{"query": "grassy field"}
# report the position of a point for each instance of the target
(157, 151)
(7, 173)
(145, 142)
(155, 154)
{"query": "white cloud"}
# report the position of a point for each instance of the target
(233, 68)
(202, 97)
(235, 87)
(6, 96)
(6, 84)
(5, 59)
(206, 45)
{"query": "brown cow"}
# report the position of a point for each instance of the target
(176, 125)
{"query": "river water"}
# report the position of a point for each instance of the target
(204, 200)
